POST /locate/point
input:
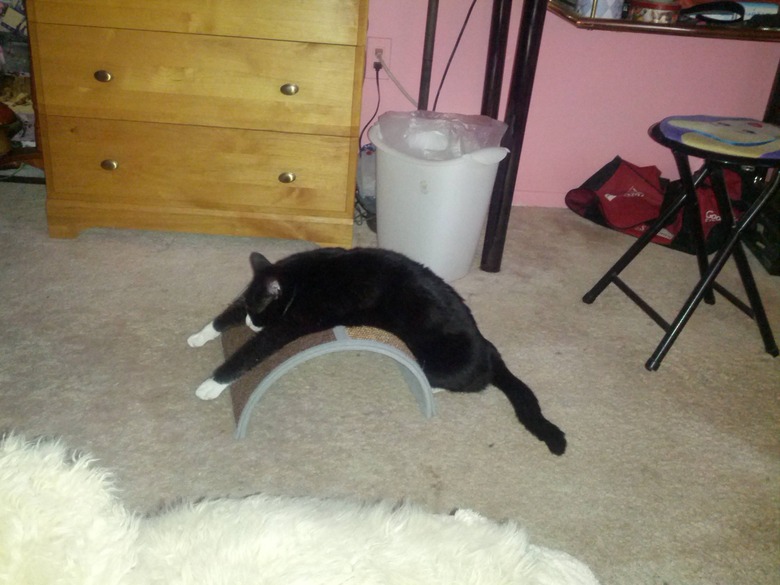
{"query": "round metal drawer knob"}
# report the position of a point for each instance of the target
(286, 177)
(289, 89)
(109, 165)
(103, 76)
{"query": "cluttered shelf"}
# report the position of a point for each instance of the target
(18, 141)
(17, 155)
(708, 30)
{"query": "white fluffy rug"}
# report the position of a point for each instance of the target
(61, 523)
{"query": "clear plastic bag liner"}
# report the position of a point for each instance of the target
(439, 136)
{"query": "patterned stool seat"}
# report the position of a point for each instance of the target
(744, 138)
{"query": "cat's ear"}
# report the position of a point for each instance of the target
(273, 287)
(258, 261)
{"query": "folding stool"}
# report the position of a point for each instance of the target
(741, 144)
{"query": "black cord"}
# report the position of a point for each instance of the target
(377, 68)
(452, 55)
(362, 214)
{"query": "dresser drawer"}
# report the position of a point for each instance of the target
(196, 79)
(196, 167)
(325, 21)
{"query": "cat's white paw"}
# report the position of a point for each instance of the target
(252, 326)
(210, 389)
(203, 336)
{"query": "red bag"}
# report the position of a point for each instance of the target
(628, 199)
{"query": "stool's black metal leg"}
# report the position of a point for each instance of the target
(755, 300)
(634, 250)
(692, 217)
(745, 273)
(714, 269)
(705, 284)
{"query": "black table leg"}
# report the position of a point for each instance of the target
(526, 57)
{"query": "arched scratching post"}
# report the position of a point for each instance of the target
(247, 392)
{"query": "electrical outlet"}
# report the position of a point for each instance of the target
(374, 47)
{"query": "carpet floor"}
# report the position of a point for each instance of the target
(671, 477)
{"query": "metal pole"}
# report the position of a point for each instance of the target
(496, 57)
(526, 57)
(427, 62)
(772, 113)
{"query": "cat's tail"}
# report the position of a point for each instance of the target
(527, 408)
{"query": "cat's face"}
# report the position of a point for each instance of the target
(261, 293)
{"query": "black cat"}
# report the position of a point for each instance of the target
(317, 290)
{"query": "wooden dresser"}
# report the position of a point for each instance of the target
(234, 117)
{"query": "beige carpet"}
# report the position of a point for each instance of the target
(670, 477)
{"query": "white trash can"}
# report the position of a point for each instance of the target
(433, 211)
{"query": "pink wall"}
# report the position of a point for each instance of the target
(595, 95)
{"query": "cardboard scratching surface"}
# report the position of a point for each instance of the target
(242, 389)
